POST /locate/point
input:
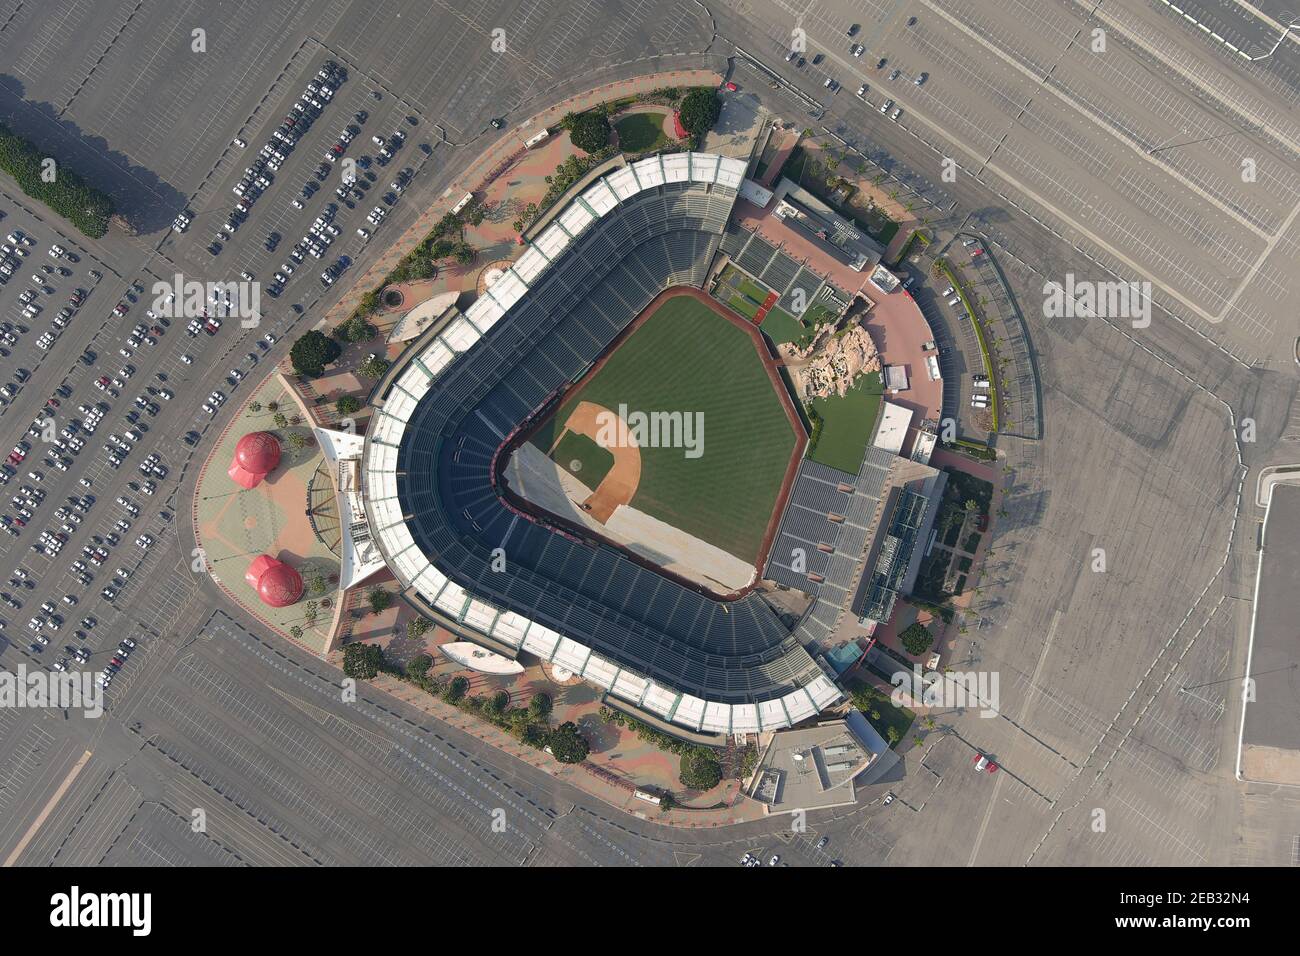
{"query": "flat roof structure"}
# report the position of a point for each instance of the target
(892, 430)
(1269, 747)
(826, 228)
(895, 378)
(813, 768)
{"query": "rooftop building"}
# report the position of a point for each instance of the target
(814, 768)
(825, 228)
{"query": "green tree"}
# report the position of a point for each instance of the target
(312, 352)
(362, 661)
(567, 743)
(916, 639)
(347, 404)
(380, 600)
(373, 367)
(539, 706)
(297, 441)
(589, 131)
(700, 110)
(254, 407)
(700, 770)
(66, 194)
(418, 666)
(280, 420)
(455, 692)
(355, 329)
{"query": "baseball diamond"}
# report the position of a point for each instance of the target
(688, 359)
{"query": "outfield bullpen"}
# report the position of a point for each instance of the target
(684, 354)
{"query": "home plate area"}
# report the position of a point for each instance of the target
(553, 487)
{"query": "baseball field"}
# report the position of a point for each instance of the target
(681, 422)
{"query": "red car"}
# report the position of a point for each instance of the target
(732, 86)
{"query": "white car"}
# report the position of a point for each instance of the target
(187, 359)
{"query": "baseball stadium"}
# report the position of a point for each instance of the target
(520, 487)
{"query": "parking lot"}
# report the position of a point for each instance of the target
(333, 155)
(1139, 153)
(89, 483)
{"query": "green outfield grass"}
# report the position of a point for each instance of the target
(781, 327)
(847, 424)
(685, 358)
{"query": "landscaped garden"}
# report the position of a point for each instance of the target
(641, 132)
(891, 721)
(846, 423)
